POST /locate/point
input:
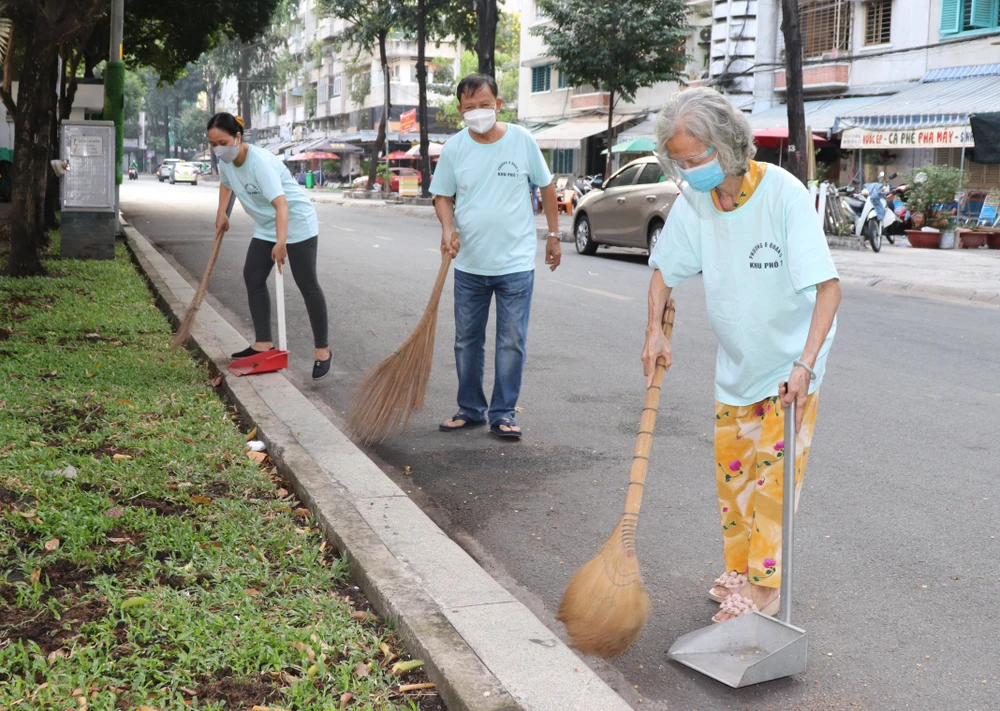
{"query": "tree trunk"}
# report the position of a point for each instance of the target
(244, 87)
(177, 117)
(166, 132)
(486, 24)
(35, 105)
(213, 94)
(793, 81)
(611, 133)
(383, 126)
(425, 159)
(52, 181)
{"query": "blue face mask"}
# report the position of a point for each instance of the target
(705, 177)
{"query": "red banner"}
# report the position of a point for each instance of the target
(407, 120)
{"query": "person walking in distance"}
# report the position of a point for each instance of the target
(480, 190)
(285, 227)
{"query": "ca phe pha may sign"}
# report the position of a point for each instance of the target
(945, 137)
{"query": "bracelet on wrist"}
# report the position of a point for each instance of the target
(812, 373)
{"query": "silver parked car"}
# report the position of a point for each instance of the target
(629, 210)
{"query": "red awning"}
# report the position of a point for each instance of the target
(778, 137)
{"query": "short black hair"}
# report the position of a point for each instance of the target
(233, 125)
(474, 82)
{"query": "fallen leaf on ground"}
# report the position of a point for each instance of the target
(201, 499)
(114, 513)
(416, 687)
(51, 544)
(282, 493)
(345, 699)
(362, 615)
(403, 667)
(362, 670)
(251, 434)
(259, 457)
(120, 540)
(36, 575)
(216, 381)
(121, 457)
(302, 513)
(305, 649)
(134, 602)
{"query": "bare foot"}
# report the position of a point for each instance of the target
(763, 598)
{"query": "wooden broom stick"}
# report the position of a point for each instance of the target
(184, 330)
(606, 605)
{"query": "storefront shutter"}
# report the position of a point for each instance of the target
(984, 13)
(951, 16)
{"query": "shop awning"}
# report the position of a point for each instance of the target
(635, 145)
(7, 155)
(939, 100)
(821, 116)
(569, 134)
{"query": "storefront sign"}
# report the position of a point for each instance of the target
(864, 139)
(407, 120)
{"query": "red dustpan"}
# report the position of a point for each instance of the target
(272, 360)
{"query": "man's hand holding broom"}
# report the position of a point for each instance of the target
(450, 243)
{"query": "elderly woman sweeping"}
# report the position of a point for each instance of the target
(772, 294)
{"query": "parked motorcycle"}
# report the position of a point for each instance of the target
(875, 217)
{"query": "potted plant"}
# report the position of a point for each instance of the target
(971, 237)
(930, 188)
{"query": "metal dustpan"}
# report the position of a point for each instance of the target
(755, 648)
(272, 360)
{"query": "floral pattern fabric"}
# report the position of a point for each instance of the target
(749, 476)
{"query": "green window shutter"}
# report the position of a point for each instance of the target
(984, 13)
(951, 16)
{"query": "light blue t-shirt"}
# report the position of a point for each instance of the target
(761, 263)
(261, 179)
(492, 204)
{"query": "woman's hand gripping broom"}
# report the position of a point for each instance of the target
(606, 605)
(395, 388)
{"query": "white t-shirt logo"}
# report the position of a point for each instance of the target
(508, 169)
(766, 255)
(252, 189)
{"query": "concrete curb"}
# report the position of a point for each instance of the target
(483, 648)
(898, 286)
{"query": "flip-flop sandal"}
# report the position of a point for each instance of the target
(466, 423)
(508, 434)
(732, 582)
(737, 605)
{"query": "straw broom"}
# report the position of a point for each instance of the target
(606, 605)
(395, 389)
(184, 330)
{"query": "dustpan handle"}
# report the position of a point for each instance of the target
(279, 290)
(788, 516)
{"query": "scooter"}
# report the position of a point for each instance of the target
(869, 227)
(133, 174)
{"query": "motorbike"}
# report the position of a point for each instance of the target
(133, 174)
(875, 217)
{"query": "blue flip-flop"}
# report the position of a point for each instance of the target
(467, 423)
(509, 422)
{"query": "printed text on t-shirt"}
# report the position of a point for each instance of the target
(772, 258)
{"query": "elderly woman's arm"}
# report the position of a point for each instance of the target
(656, 342)
(827, 302)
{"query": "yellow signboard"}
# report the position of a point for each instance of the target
(408, 186)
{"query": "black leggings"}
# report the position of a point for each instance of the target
(302, 260)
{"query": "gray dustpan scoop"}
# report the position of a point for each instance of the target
(755, 648)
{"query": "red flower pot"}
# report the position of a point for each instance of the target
(993, 240)
(924, 240)
(970, 239)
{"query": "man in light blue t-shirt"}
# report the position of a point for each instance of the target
(480, 188)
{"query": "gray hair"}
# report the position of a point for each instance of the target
(706, 115)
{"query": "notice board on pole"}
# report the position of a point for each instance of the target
(89, 147)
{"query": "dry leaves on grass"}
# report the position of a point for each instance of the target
(51, 544)
(362, 670)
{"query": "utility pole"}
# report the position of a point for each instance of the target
(114, 96)
(793, 92)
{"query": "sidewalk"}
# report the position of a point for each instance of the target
(960, 274)
(484, 649)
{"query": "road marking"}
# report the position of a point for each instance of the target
(432, 251)
(599, 292)
(345, 229)
(387, 239)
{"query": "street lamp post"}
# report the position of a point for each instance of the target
(114, 96)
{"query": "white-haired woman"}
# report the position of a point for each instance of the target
(772, 293)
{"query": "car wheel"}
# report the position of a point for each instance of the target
(655, 228)
(194, 182)
(585, 243)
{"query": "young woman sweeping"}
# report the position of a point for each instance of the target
(286, 226)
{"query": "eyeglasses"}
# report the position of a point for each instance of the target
(667, 161)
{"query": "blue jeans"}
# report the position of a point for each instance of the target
(473, 294)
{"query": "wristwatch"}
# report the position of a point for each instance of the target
(557, 235)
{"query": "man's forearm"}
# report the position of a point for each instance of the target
(827, 303)
(659, 294)
(444, 208)
(551, 207)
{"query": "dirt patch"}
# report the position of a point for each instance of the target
(217, 488)
(161, 507)
(9, 497)
(63, 574)
(239, 693)
(59, 418)
(45, 630)
(108, 449)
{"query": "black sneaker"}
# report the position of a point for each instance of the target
(322, 367)
(248, 352)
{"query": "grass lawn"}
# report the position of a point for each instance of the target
(145, 560)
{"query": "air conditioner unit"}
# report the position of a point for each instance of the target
(705, 35)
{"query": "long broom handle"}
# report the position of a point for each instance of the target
(188, 320)
(279, 291)
(644, 442)
(432, 303)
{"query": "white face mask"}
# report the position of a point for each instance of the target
(480, 120)
(227, 154)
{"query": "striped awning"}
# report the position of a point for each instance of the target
(937, 101)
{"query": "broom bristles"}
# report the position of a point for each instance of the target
(606, 605)
(395, 389)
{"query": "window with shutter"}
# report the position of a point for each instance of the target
(338, 84)
(541, 78)
(982, 13)
(878, 21)
(951, 16)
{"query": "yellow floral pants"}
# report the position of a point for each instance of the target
(749, 475)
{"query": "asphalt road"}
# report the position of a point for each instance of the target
(898, 539)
